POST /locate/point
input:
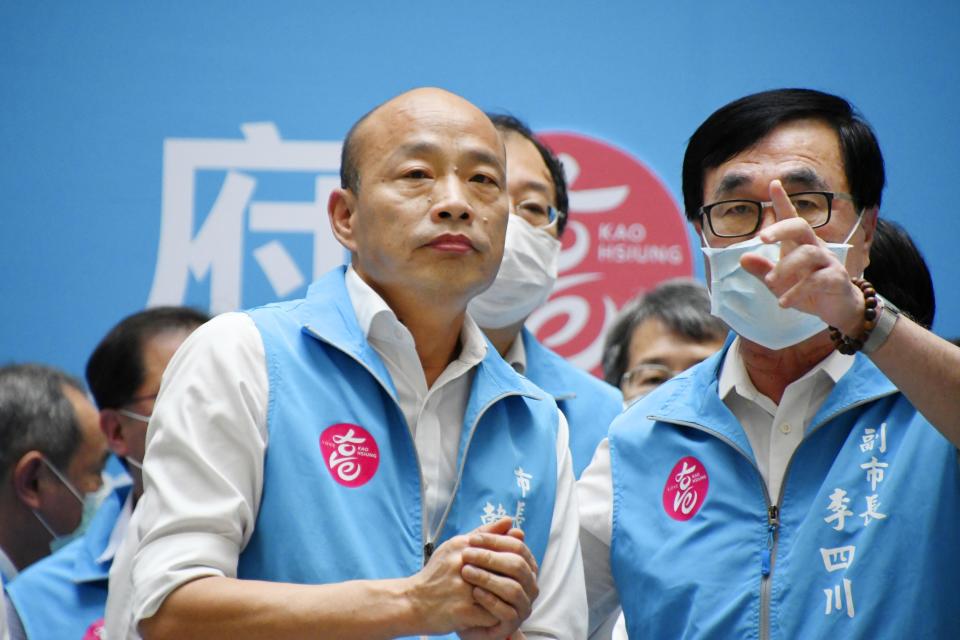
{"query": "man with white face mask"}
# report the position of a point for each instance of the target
(124, 376)
(777, 488)
(538, 201)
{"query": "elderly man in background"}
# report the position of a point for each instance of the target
(778, 488)
(51, 456)
(659, 334)
(537, 191)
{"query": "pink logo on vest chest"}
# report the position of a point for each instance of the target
(350, 453)
(686, 489)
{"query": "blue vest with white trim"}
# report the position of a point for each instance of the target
(61, 596)
(589, 404)
(342, 497)
(864, 544)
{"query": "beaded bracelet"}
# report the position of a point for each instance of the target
(847, 345)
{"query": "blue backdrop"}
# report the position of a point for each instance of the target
(234, 110)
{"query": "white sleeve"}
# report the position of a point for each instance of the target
(595, 496)
(561, 608)
(203, 468)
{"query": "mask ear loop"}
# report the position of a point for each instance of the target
(63, 479)
(855, 226)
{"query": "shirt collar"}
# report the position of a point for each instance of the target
(734, 377)
(8, 570)
(516, 355)
(378, 322)
(119, 531)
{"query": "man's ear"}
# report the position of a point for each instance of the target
(26, 478)
(869, 224)
(112, 429)
(340, 208)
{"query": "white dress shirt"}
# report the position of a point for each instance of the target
(118, 622)
(204, 485)
(774, 432)
(8, 570)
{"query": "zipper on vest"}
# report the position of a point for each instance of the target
(463, 461)
(769, 553)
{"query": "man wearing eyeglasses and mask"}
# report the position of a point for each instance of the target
(538, 203)
(124, 374)
(777, 489)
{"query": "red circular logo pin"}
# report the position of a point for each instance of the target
(624, 236)
(686, 489)
(95, 631)
(350, 453)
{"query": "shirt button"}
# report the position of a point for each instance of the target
(785, 428)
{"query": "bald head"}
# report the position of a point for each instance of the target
(412, 106)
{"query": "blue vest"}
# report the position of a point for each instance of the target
(62, 595)
(342, 494)
(864, 544)
(589, 404)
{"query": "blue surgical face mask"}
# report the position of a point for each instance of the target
(745, 303)
(89, 502)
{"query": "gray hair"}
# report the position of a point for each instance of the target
(36, 414)
(681, 304)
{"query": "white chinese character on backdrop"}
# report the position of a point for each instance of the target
(523, 481)
(216, 249)
(838, 508)
(870, 436)
(838, 557)
(491, 514)
(836, 599)
(874, 470)
(520, 517)
(873, 502)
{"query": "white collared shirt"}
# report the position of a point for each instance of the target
(7, 569)
(516, 355)
(774, 433)
(234, 386)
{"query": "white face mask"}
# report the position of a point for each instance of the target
(745, 303)
(525, 279)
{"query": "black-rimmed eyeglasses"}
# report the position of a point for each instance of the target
(735, 218)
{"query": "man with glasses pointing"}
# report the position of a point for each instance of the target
(778, 488)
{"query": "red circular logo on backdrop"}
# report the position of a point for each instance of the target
(350, 453)
(686, 489)
(625, 234)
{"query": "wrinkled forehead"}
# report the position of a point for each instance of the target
(802, 154)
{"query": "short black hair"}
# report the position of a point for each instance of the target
(36, 414)
(898, 271)
(349, 170)
(745, 122)
(509, 124)
(115, 369)
(681, 304)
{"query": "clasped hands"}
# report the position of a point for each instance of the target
(481, 585)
